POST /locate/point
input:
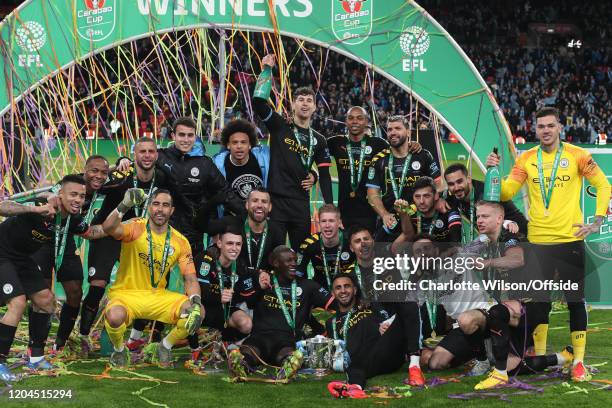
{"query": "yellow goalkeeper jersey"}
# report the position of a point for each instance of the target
(134, 272)
(556, 224)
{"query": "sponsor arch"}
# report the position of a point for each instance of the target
(396, 38)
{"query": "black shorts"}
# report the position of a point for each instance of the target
(103, 253)
(290, 211)
(71, 268)
(214, 316)
(460, 346)
(562, 262)
(19, 277)
(269, 344)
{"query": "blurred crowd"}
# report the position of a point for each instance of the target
(525, 71)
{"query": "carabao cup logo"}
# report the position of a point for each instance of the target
(31, 36)
(352, 20)
(95, 19)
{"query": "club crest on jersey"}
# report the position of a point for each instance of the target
(298, 291)
(92, 271)
(204, 269)
(195, 172)
(344, 256)
(564, 163)
(368, 149)
(416, 165)
(439, 223)
(7, 289)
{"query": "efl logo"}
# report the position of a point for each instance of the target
(352, 20)
(414, 42)
(95, 19)
(30, 37)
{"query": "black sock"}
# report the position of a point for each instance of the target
(7, 335)
(90, 307)
(194, 341)
(68, 317)
(410, 317)
(578, 316)
(477, 345)
(140, 324)
(250, 360)
(158, 329)
(499, 317)
(535, 364)
(38, 329)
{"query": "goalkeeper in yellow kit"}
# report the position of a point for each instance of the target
(150, 248)
(553, 173)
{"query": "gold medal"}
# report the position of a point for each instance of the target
(352, 194)
(546, 214)
(77, 252)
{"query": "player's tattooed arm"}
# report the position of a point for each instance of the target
(192, 286)
(10, 208)
(94, 232)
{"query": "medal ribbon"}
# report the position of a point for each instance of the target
(146, 203)
(88, 217)
(262, 243)
(324, 258)
(281, 300)
(349, 151)
(166, 251)
(345, 327)
(398, 192)
(60, 247)
(546, 196)
(358, 274)
(467, 234)
(307, 163)
(431, 225)
(233, 279)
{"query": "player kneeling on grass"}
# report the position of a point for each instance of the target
(150, 248)
(279, 314)
(225, 283)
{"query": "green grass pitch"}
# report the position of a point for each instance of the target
(212, 391)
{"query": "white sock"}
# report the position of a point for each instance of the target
(502, 372)
(135, 334)
(120, 349)
(414, 361)
(560, 359)
(36, 359)
(166, 344)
